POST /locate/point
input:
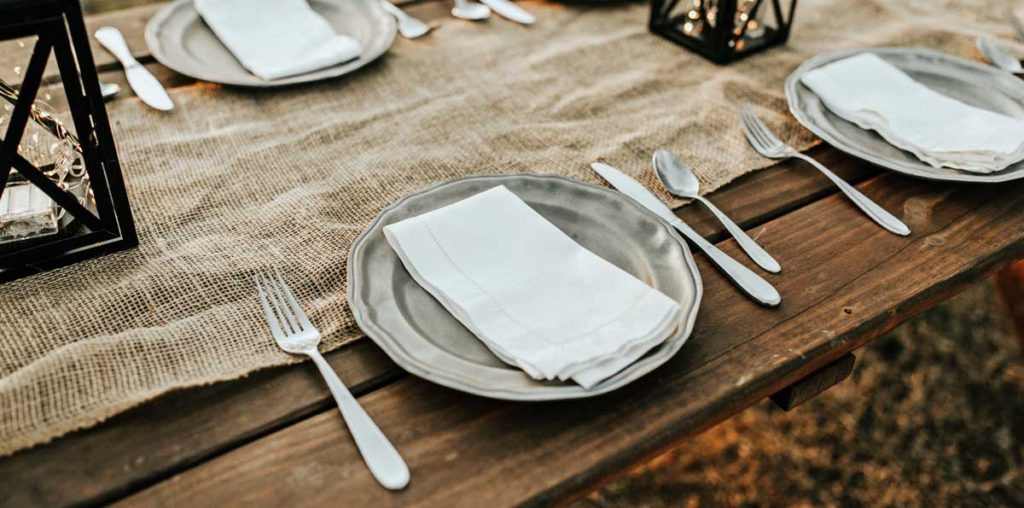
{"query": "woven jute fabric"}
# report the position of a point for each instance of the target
(237, 181)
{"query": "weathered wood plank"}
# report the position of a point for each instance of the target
(847, 284)
(179, 429)
(163, 446)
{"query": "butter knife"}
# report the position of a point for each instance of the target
(508, 9)
(751, 283)
(142, 82)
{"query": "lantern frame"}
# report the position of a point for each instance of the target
(59, 28)
(719, 43)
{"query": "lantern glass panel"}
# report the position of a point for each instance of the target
(49, 141)
(63, 198)
(723, 30)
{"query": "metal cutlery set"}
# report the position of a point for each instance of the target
(679, 179)
(412, 28)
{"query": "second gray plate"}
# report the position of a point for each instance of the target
(424, 339)
(180, 39)
(970, 82)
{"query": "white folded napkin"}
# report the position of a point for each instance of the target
(939, 130)
(277, 38)
(534, 296)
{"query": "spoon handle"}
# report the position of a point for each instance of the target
(749, 282)
(756, 253)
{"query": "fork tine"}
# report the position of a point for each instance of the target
(769, 136)
(268, 313)
(279, 303)
(296, 308)
(749, 131)
(760, 129)
(275, 304)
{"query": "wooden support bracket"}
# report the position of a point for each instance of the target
(815, 383)
(1011, 285)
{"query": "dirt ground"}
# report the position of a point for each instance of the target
(933, 415)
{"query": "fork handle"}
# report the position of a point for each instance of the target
(380, 455)
(879, 214)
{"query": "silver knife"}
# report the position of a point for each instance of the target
(508, 9)
(143, 83)
(751, 283)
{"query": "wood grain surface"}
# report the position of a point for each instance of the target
(846, 285)
(275, 436)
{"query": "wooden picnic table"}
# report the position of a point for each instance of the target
(276, 437)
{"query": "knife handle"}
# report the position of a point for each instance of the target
(112, 39)
(751, 283)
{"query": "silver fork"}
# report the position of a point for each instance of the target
(772, 147)
(296, 335)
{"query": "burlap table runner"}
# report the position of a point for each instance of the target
(233, 182)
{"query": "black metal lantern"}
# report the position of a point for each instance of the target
(723, 30)
(62, 200)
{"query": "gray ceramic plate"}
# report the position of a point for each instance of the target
(180, 39)
(979, 85)
(424, 339)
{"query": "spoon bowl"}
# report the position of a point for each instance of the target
(676, 176)
(472, 11)
(680, 180)
(408, 26)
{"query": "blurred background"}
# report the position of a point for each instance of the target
(933, 415)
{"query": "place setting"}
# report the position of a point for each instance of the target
(451, 248)
(522, 264)
(255, 44)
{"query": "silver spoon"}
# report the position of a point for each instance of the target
(679, 179)
(408, 26)
(473, 11)
(998, 56)
(508, 9)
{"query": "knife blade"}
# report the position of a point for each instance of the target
(145, 86)
(508, 9)
(751, 283)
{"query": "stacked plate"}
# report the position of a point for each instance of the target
(180, 40)
(421, 336)
(970, 82)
